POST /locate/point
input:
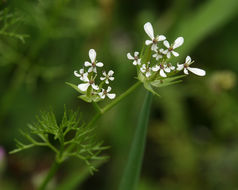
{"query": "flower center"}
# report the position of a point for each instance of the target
(91, 82)
(105, 92)
(154, 41)
(161, 66)
(185, 65)
(170, 49)
(93, 64)
(136, 58)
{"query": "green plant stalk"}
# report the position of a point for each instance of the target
(132, 170)
(54, 167)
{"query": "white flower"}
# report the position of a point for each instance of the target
(93, 64)
(162, 69)
(170, 66)
(178, 42)
(154, 40)
(88, 82)
(186, 67)
(159, 54)
(105, 93)
(107, 77)
(136, 60)
(81, 74)
(146, 70)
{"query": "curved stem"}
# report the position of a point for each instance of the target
(54, 167)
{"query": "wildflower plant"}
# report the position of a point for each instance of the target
(155, 69)
(154, 66)
(93, 83)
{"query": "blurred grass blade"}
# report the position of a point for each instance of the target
(131, 174)
(209, 17)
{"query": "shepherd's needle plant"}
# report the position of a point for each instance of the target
(155, 69)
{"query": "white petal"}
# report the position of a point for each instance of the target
(185, 71)
(76, 74)
(142, 69)
(87, 64)
(136, 53)
(178, 42)
(94, 69)
(197, 71)
(109, 89)
(102, 78)
(161, 38)
(149, 30)
(188, 60)
(99, 64)
(155, 68)
(102, 95)
(129, 56)
(167, 69)
(148, 42)
(90, 69)
(166, 44)
(175, 53)
(169, 54)
(110, 73)
(154, 47)
(81, 71)
(139, 61)
(111, 78)
(172, 67)
(104, 73)
(134, 62)
(148, 74)
(180, 67)
(94, 86)
(162, 73)
(83, 87)
(107, 81)
(111, 96)
(92, 55)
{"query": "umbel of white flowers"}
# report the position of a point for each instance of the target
(163, 51)
(89, 78)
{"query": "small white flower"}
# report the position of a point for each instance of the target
(136, 60)
(154, 40)
(146, 70)
(159, 54)
(162, 69)
(81, 74)
(178, 42)
(186, 67)
(92, 66)
(170, 66)
(105, 93)
(88, 82)
(107, 77)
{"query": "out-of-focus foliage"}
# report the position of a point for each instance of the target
(192, 140)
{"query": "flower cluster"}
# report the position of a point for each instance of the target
(88, 75)
(161, 50)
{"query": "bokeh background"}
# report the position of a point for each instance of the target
(192, 140)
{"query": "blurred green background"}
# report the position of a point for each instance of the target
(192, 141)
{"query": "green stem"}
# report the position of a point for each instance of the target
(51, 173)
(132, 170)
(108, 107)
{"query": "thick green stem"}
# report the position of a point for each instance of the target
(132, 170)
(51, 173)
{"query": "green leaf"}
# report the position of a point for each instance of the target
(131, 174)
(167, 81)
(85, 98)
(150, 89)
(75, 87)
